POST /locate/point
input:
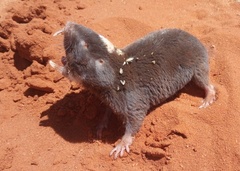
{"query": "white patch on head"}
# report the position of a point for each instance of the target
(120, 52)
(110, 47)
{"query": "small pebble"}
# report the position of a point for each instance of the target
(80, 7)
(35, 97)
(155, 153)
(4, 84)
(17, 98)
(34, 163)
(74, 86)
(57, 78)
(49, 101)
(27, 72)
(213, 46)
(40, 84)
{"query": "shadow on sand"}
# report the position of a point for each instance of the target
(76, 116)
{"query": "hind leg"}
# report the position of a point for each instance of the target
(201, 78)
(210, 96)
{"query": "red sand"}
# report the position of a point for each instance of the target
(48, 123)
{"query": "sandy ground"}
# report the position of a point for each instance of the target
(48, 123)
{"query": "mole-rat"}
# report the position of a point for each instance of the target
(133, 79)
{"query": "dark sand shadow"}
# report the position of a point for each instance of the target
(76, 117)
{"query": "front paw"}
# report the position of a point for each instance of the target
(122, 146)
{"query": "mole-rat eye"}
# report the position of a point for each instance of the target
(101, 61)
(84, 44)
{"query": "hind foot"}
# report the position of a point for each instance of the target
(210, 96)
(122, 146)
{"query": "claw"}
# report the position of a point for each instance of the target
(210, 97)
(122, 146)
(117, 150)
(127, 148)
(206, 103)
(122, 152)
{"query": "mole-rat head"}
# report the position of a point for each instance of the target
(87, 56)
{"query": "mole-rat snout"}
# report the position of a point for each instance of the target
(69, 27)
(86, 56)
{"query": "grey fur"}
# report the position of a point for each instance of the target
(159, 65)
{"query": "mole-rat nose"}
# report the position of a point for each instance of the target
(69, 26)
